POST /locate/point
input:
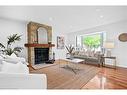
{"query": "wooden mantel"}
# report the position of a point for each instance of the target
(40, 45)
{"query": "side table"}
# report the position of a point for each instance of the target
(106, 57)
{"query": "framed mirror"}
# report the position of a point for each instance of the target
(123, 37)
(42, 35)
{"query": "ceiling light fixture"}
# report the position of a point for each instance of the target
(98, 10)
(70, 26)
(50, 18)
(101, 16)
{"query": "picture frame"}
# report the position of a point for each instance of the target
(60, 42)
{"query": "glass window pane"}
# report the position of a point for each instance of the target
(90, 41)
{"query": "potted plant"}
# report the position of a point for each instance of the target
(7, 49)
(70, 49)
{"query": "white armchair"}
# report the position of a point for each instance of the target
(16, 76)
(23, 81)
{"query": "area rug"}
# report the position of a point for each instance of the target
(61, 78)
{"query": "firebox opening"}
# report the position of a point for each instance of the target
(41, 55)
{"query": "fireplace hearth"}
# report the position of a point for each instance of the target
(41, 55)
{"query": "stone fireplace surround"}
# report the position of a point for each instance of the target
(32, 32)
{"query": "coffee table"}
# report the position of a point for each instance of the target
(72, 64)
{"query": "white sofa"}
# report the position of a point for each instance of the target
(16, 76)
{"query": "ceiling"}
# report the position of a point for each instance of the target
(65, 19)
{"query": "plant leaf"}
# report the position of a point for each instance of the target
(13, 38)
(69, 48)
(2, 46)
(17, 49)
(8, 51)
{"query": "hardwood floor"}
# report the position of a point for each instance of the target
(62, 77)
(107, 78)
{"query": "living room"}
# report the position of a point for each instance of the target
(61, 34)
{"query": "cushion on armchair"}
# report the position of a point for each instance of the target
(12, 58)
(14, 68)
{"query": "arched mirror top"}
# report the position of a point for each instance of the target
(37, 30)
(40, 29)
(42, 35)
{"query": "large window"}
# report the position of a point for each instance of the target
(92, 41)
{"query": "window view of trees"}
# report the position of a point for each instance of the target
(92, 41)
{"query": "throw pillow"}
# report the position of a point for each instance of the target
(88, 52)
(13, 55)
(3, 56)
(14, 68)
(91, 54)
(15, 60)
(80, 53)
(76, 52)
(97, 54)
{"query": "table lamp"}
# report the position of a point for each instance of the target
(108, 46)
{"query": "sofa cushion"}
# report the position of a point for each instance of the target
(14, 68)
(81, 53)
(76, 52)
(91, 53)
(88, 52)
(93, 59)
(97, 54)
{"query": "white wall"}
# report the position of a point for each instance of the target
(10, 27)
(112, 31)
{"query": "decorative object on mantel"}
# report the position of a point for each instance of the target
(7, 49)
(108, 46)
(49, 42)
(60, 42)
(123, 37)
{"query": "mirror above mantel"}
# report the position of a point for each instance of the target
(42, 36)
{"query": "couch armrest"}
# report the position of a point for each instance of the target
(23, 81)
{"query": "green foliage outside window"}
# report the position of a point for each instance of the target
(92, 41)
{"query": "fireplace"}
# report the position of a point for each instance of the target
(41, 55)
(39, 43)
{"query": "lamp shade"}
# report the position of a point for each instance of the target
(109, 45)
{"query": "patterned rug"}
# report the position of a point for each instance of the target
(63, 78)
